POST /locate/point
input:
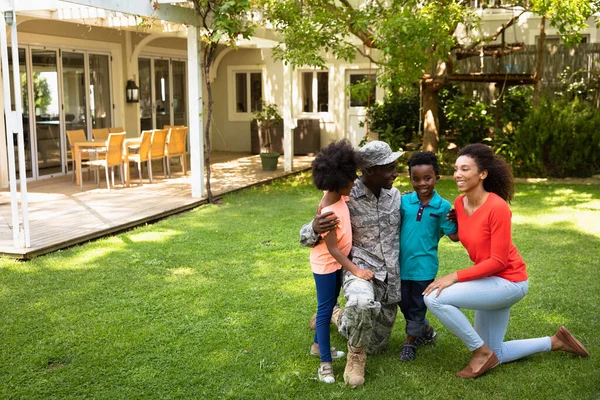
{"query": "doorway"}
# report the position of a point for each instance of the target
(356, 109)
(55, 99)
(163, 94)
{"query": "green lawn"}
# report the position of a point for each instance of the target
(214, 303)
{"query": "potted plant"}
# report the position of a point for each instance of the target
(267, 118)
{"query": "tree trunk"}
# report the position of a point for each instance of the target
(539, 67)
(209, 53)
(431, 122)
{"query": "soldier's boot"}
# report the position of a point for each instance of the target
(337, 315)
(354, 374)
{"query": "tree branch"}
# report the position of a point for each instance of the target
(498, 32)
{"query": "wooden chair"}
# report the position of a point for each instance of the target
(173, 126)
(78, 136)
(176, 145)
(142, 154)
(100, 134)
(114, 157)
(117, 129)
(157, 148)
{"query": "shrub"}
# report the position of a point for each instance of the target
(396, 120)
(559, 139)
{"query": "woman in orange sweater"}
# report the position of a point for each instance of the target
(498, 277)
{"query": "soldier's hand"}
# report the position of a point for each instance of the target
(365, 274)
(324, 222)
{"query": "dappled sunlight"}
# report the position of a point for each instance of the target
(161, 236)
(584, 221)
(559, 196)
(181, 272)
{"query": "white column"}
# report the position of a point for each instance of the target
(195, 125)
(288, 121)
(12, 126)
(20, 140)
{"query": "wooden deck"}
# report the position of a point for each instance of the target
(61, 215)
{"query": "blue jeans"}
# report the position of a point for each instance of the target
(328, 290)
(491, 298)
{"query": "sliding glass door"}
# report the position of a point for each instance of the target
(163, 92)
(61, 91)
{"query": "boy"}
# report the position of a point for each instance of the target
(423, 224)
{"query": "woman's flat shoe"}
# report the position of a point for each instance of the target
(489, 364)
(573, 345)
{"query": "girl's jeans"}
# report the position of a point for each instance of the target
(491, 298)
(328, 290)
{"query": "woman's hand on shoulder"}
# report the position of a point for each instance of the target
(441, 283)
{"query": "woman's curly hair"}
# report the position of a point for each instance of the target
(335, 166)
(500, 179)
(424, 158)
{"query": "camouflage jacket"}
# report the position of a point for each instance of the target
(375, 234)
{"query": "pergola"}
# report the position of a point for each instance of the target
(168, 12)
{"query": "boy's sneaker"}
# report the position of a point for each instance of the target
(314, 351)
(408, 352)
(325, 373)
(428, 337)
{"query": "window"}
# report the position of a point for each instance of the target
(248, 92)
(366, 97)
(315, 91)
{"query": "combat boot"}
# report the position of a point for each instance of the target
(337, 315)
(354, 374)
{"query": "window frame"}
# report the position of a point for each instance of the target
(233, 113)
(314, 93)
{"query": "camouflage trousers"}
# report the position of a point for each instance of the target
(367, 319)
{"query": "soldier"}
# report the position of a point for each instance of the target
(371, 306)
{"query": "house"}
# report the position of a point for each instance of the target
(77, 57)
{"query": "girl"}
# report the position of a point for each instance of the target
(334, 171)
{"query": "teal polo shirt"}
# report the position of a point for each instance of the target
(422, 228)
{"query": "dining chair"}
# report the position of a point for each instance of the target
(86, 154)
(142, 154)
(100, 134)
(176, 145)
(157, 148)
(117, 129)
(114, 157)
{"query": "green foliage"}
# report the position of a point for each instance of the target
(560, 138)
(41, 92)
(467, 119)
(214, 304)
(396, 119)
(267, 116)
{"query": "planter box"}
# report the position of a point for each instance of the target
(307, 137)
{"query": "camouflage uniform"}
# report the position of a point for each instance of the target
(371, 306)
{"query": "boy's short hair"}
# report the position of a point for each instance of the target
(424, 158)
(335, 166)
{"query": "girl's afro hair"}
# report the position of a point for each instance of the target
(335, 166)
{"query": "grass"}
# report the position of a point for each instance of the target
(214, 303)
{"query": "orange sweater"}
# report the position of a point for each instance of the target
(487, 236)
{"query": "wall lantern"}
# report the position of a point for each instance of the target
(132, 92)
(9, 17)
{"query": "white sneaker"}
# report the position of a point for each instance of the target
(325, 373)
(314, 351)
